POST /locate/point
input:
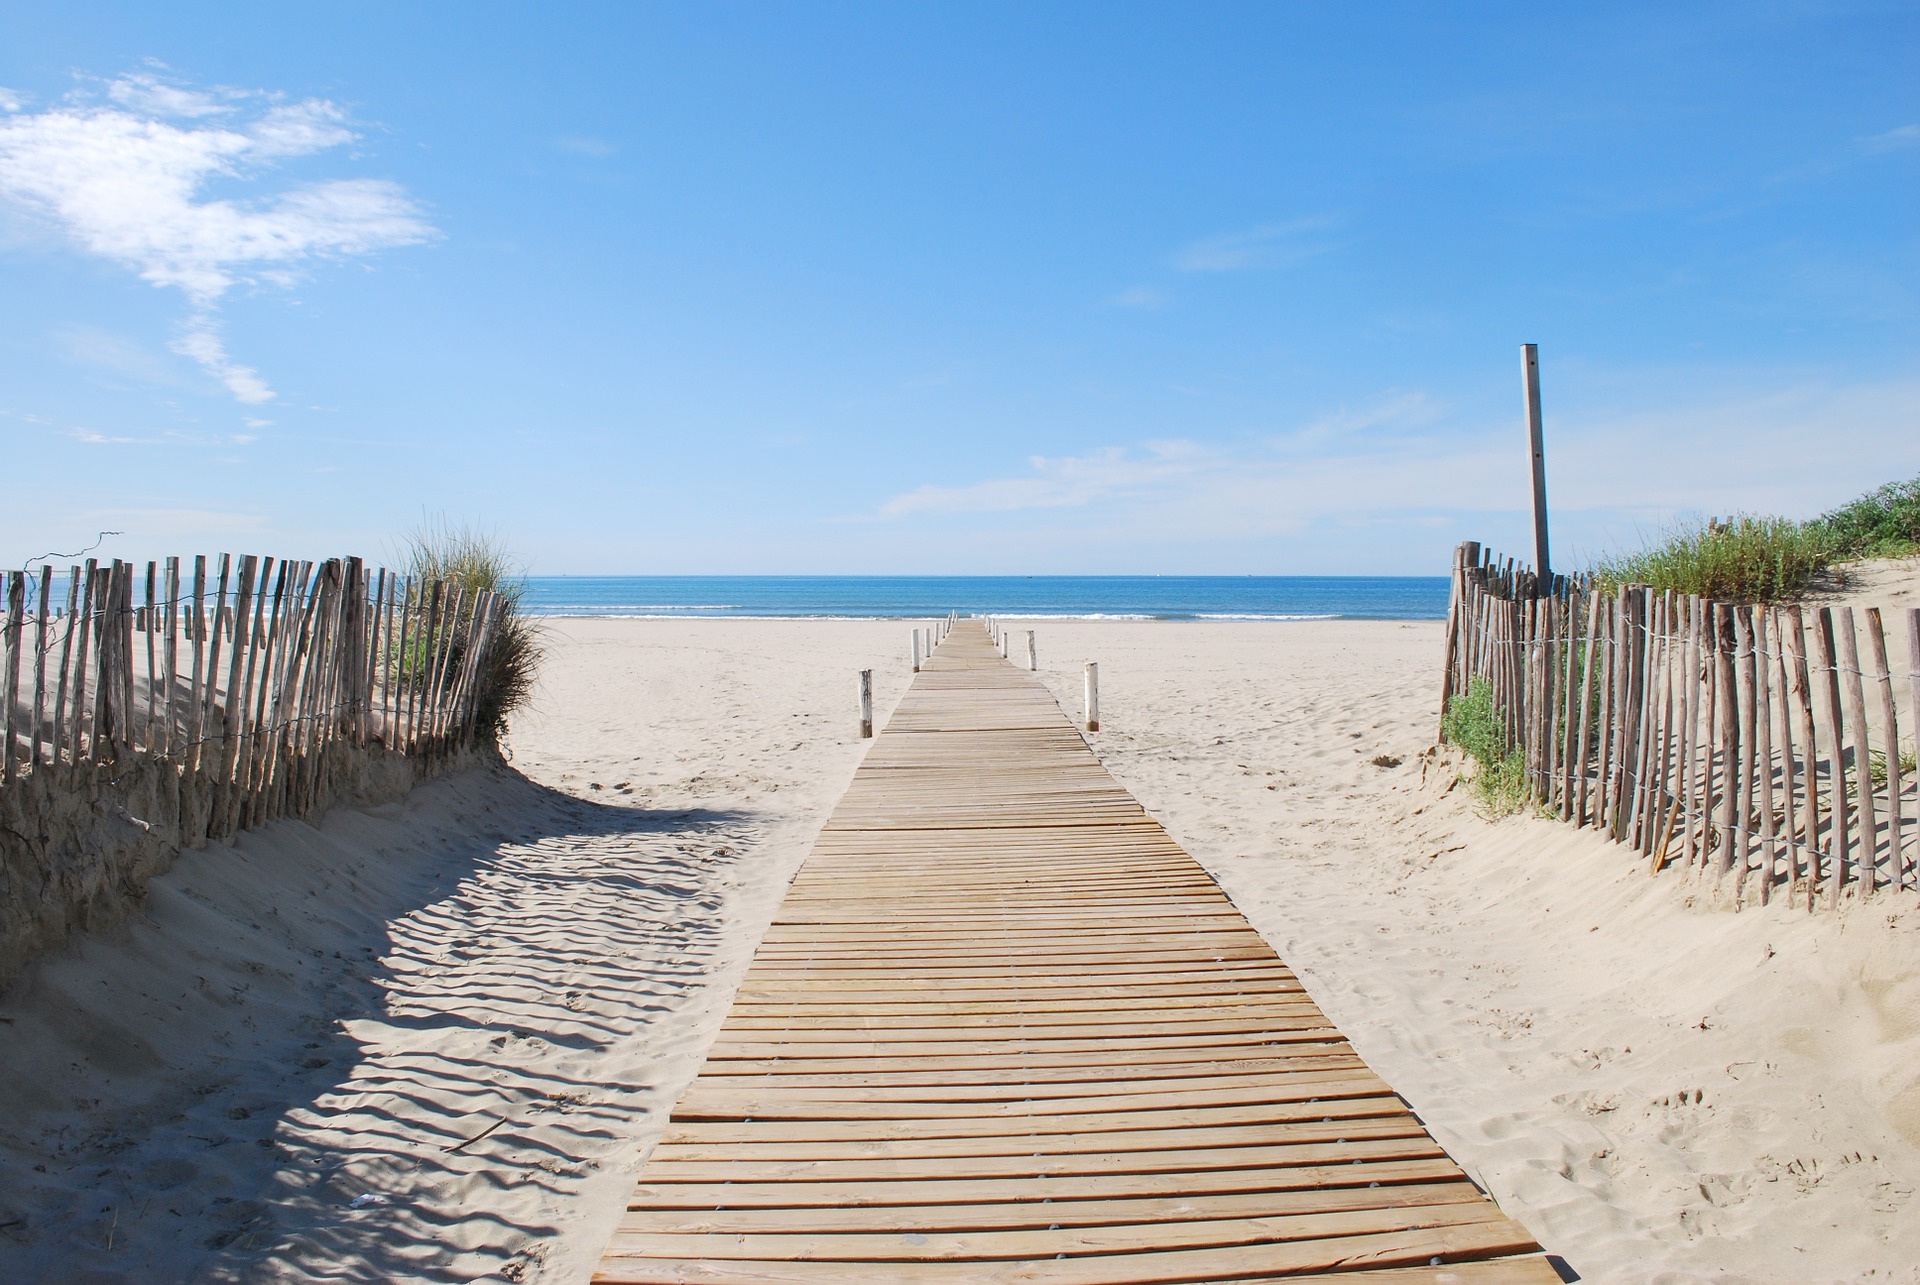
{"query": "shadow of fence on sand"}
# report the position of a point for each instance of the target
(516, 1037)
(405, 1044)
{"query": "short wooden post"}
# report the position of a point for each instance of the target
(1093, 696)
(866, 703)
(1530, 375)
(916, 650)
(1033, 654)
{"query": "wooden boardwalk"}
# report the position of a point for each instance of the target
(1005, 1029)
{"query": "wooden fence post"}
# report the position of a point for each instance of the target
(1033, 653)
(40, 645)
(1829, 720)
(866, 703)
(1093, 696)
(1801, 682)
(16, 614)
(1868, 835)
(1537, 454)
(1890, 722)
(1763, 644)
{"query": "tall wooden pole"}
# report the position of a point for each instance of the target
(1530, 373)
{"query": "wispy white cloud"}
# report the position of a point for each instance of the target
(580, 145)
(1137, 297)
(1403, 462)
(1270, 245)
(201, 342)
(1894, 140)
(1060, 481)
(125, 179)
(147, 94)
(115, 354)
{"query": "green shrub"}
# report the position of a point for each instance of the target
(1473, 723)
(1880, 524)
(1747, 558)
(474, 561)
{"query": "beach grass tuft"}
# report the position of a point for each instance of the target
(475, 561)
(1883, 523)
(1746, 558)
(1473, 724)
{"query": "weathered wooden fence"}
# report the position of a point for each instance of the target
(1758, 745)
(241, 677)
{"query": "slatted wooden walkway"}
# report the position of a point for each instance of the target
(1005, 1029)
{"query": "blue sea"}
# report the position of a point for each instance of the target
(1008, 597)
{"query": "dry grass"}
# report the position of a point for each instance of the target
(477, 561)
(1747, 558)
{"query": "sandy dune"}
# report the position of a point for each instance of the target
(477, 1005)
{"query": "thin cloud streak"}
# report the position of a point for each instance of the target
(1894, 140)
(1403, 461)
(1137, 297)
(1271, 245)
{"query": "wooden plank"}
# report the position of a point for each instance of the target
(196, 700)
(1801, 693)
(42, 738)
(1316, 1064)
(91, 593)
(702, 1198)
(835, 1124)
(1038, 1214)
(1692, 805)
(1498, 1237)
(64, 669)
(1913, 696)
(1898, 869)
(151, 627)
(1868, 832)
(1764, 646)
(1745, 745)
(1043, 1243)
(170, 660)
(10, 690)
(1829, 720)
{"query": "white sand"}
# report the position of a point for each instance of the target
(554, 958)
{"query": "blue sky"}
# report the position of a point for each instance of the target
(948, 288)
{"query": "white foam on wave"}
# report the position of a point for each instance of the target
(1261, 615)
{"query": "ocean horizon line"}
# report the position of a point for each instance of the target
(1163, 597)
